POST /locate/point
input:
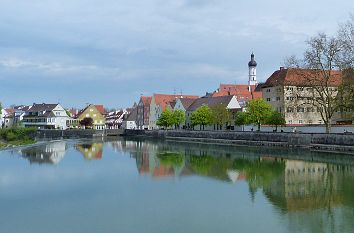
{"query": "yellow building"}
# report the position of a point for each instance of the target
(92, 117)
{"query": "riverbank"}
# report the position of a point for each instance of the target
(12, 137)
(318, 142)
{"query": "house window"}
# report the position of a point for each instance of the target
(289, 88)
(300, 88)
(310, 121)
(268, 90)
(87, 115)
(290, 109)
(278, 98)
(290, 122)
(91, 110)
(300, 121)
(300, 109)
(268, 99)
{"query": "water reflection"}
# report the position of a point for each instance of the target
(91, 151)
(49, 153)
(289, 183)
(301, 191)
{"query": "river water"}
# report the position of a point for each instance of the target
(147, 186)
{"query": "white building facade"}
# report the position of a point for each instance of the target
(46, 116)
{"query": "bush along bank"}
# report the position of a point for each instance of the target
(16, 137)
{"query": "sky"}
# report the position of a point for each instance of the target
(112, 51)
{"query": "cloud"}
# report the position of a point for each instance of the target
(133, 41)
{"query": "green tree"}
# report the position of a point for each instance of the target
(241, 118)
(202, 116)
(166, 119)
(221, 115)
(179, 117)
(258, 112)
(276, 119)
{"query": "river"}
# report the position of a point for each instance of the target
(126, 185)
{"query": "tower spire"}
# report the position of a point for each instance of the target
(252, 79)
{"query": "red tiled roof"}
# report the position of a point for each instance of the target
(100, 108)
(146, 100)
(301, 77)
(163, 100)
(9, 110)
(241, 92)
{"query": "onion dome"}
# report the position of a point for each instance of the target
(252, 62)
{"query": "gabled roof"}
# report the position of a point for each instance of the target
(100, 108)
(301, 77)
(9, 110)
(186, 102)
(163, 100)
(42, 107)
(242, 92)
(210, 101)
(22, 107)
(146, 100)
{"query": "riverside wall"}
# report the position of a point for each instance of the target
(316, 141)
(76, 133)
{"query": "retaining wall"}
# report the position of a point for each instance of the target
(76, 133)
(335, 142)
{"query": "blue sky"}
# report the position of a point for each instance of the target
(112, 51)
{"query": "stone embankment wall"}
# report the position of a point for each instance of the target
(335, 142)
(76, 133)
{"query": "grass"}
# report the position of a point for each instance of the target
(16, 137)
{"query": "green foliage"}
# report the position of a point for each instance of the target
(171, 159)
(241, 118)
(17, 136)
(179, 117)
(166, 119)
(68, 113)
(221, 114)
(202, 116)
(276, 119)
(259, 173)
(258, 112)
(202, 164)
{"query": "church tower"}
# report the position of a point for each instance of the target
(252, 80)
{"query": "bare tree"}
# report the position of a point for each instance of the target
(346, 38)
(319, 71)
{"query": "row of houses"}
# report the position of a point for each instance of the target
(55, 116)
(289, 91)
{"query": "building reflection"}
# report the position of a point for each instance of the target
(290, 184)
(306, 185)
(50, 153)
(91, 150)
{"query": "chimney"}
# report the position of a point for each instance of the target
(281, 68)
